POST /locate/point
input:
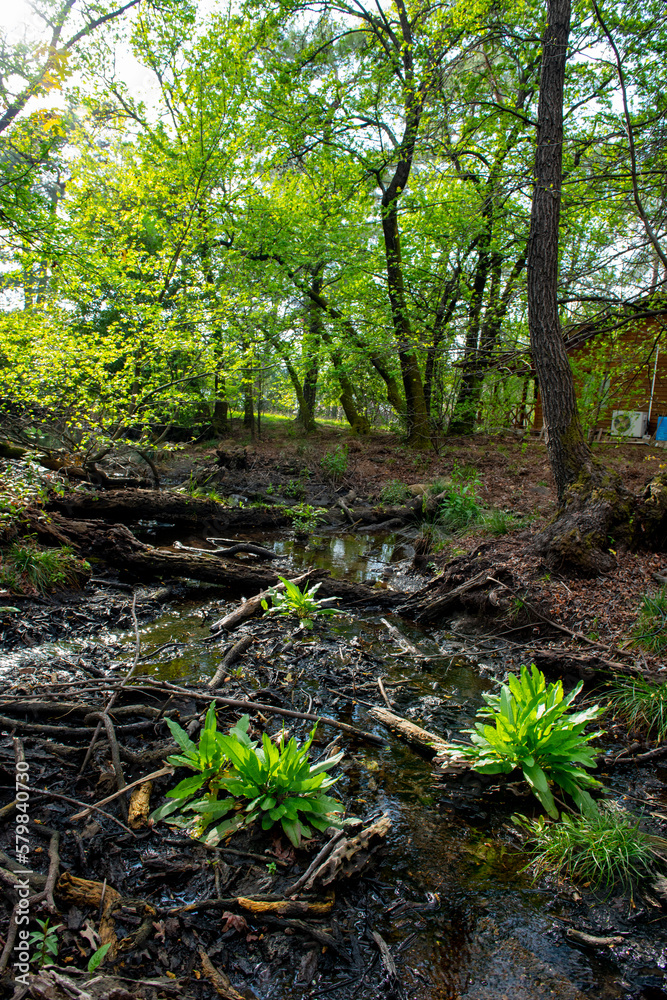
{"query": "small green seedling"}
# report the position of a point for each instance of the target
(45, 941)
(302, 604)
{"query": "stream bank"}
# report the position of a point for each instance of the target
(444, 893)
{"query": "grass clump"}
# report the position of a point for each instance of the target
(650, 631)
(498, 522)
(527, 726)
(26, 569)
(395, 492)
(606, 848)
(642, 705)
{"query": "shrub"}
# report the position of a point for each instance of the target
(650, 631)
(276, 784)
(395, 492)
(334, 462)
(300, 603)
(642, 704)
(606, 848)
(528, 727)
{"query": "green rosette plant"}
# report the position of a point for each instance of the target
(237, 776)
(527, 726)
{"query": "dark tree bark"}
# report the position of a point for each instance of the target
(597, 513)
(569, 453)
(306, 415)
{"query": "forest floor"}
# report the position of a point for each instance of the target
(433, 903)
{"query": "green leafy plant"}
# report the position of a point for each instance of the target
(394, 492)
(606, 848)
(458, 507)
(272, 783)
(271, 867)
(306, 518)
(466, 473)
(27, 569)
(650, 631)
(641, 704)
(294, 488)
(45, 942)
(335, 462)
(98, 957)
(301, 603)
(527, 726)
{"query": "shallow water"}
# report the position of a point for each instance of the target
(447, 892)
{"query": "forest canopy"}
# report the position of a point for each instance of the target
(315, 209)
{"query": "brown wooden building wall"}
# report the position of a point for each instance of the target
(628, 389)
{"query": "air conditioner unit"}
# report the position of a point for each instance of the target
(629, 423)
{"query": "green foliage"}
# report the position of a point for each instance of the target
(605, 848)
(98, 957)
(272, 783)
(335, 463)
(650, 631)
(306, 518)
(27, 569)
(466, 473)
(458, 507)
(301, 604)
(45, 942)
(642, 704)
(527, 726)
(395, 492)
(498, 522)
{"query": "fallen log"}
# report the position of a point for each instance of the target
(415, 735)
(116, 545)
(129, 506)
(432, 602)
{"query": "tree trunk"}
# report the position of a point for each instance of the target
(306, 415)
(415, 403)
(596, 510)
(569, 453)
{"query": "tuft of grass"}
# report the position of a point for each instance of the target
(650, 631)
(642, 705)
(27, 569)
(498, 522)
(606, 848)
(395, 492)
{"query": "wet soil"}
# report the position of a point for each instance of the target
(444, 908)
(445, 893)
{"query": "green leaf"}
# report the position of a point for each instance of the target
(97, 957)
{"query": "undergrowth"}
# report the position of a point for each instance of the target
(26, 569)
(605, 849)
(234, 775)
(650, 631)
(395, 492)
(527, 726)
(642, 704)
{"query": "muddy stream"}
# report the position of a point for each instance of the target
(448, 891)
